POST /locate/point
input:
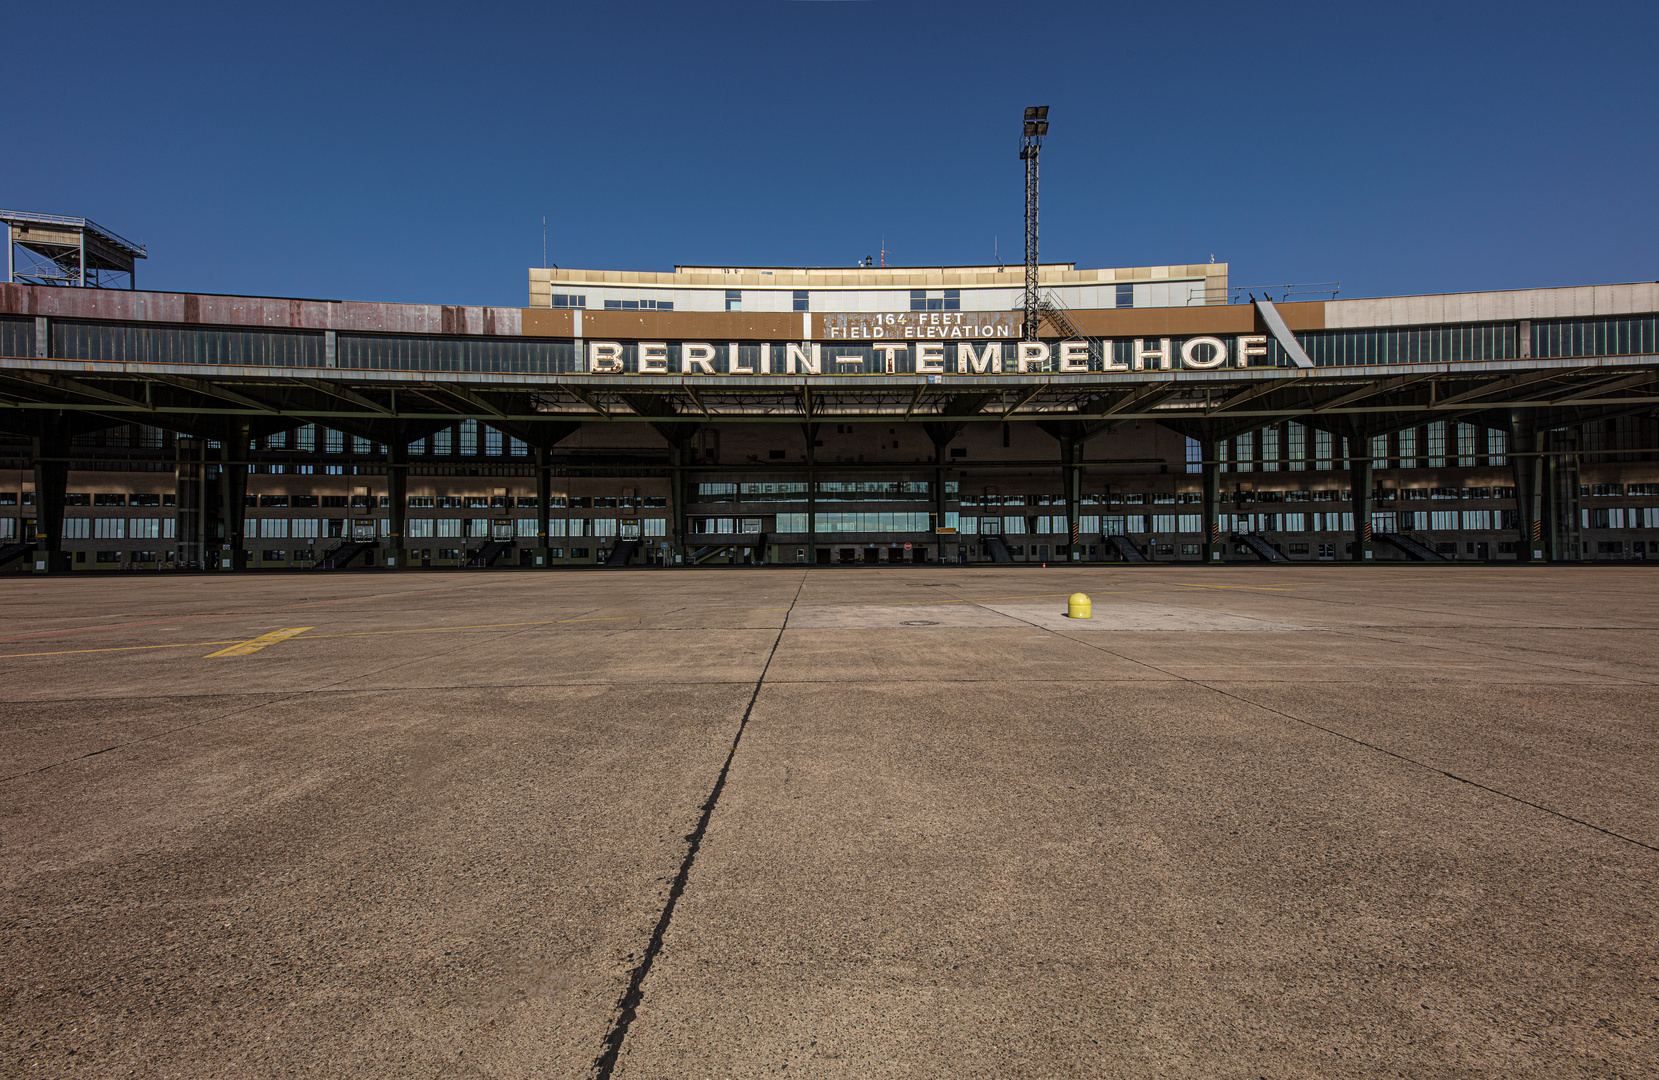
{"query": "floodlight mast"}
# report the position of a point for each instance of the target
(1031, 141)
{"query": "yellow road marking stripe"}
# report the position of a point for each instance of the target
(114, 648)
(246, 647)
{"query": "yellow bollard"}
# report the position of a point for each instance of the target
(1078, 607)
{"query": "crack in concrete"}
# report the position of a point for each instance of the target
(1361, 742)
(628, 1005)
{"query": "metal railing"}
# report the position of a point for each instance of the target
(1240, 294)
(24, 217)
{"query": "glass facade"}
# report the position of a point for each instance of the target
(164, 344)
(141, 343)
(386, 352)
(17, 337)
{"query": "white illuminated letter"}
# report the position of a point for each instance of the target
(605, 357)
(1189, 355)
(765, 358)
(1074, 356)
(1251, 345)
(990, 360)
(811, 363)
(732, 365)
(1032, 354)
(653, 358)
(698, 354)
(930, 358)
(1162, 354)
(1107, 363)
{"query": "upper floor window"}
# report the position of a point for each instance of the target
(936, 300)
(734, 300)
(639, 305)
(563, 300)
(1126, 296)
(801, 300)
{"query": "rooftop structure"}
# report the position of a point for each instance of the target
(875, 289)
(50, 249)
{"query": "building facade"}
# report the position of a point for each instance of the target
(721, 415)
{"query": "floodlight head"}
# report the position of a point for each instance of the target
(1031, 112)
(1042, 127)
(1042, 112)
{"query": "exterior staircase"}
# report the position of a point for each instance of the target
(1410, 546)
(1125, 548)
(1264, 551)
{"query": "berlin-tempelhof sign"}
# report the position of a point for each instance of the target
(923, 343)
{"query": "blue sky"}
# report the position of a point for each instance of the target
(409, 152)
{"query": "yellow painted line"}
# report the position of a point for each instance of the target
(365, 633)
(260, 642)
(115, 648)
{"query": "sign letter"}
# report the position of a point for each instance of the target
(733, 367)
(1162, 354)
(990, 360)
(930, 358)
(653, 358)
(1033, 354)
(605, 357)
(695, 353)
(1251, 345)
(1189, 354)
(810, 364)
(1074, 356)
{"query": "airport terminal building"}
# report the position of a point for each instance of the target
(827, 416)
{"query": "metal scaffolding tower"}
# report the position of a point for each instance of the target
(72, 251)
(1031, 141)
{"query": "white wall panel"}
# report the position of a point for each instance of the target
(1576, 302)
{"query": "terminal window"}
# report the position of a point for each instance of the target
(1126, 296)
(562, 300)
(640, 305)
(734, 300)
(936, 300)
(802, 302)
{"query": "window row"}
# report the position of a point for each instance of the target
(80, 528)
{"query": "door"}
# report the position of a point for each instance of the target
(629, 529)
(362, 528)
(336, 527)
(501, 529)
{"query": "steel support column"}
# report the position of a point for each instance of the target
(811, 431)
(1524, 466)
(51, 450)
(544, 500)
(397, 501)
(189, 477)
(233, 492)
(1562, 528)
(1071, 480)
(1361, 480)
(678, 493)
(1214, 547)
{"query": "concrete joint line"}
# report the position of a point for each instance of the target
(628, 1005)
(1367, 745)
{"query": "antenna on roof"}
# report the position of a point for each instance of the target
(996, 253)
(884, 249)
(544, 241)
